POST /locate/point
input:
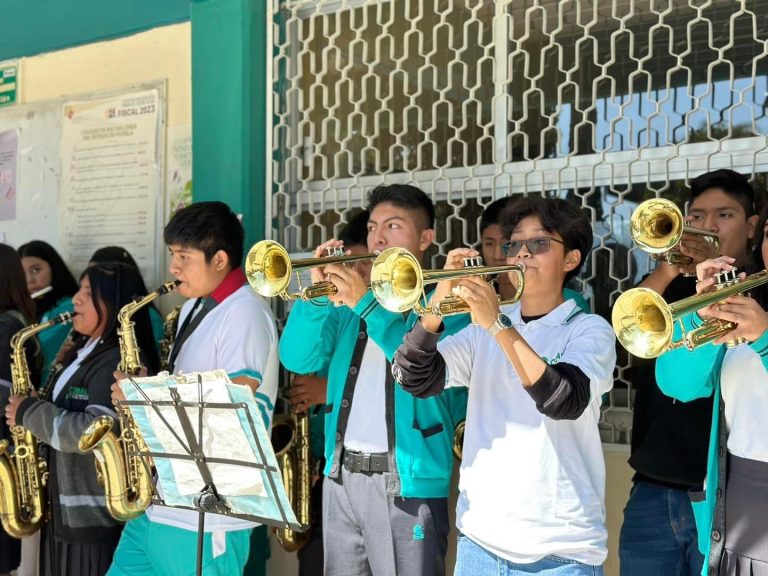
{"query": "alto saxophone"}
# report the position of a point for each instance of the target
(169, 335)
(23, 473)
(290, 441)
(126, 478)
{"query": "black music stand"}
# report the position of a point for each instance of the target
(190, 448)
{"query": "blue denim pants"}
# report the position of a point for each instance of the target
(658, 537)
(474, 560)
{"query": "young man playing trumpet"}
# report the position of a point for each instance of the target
(669, 438)
(532, 475)
(388, 455)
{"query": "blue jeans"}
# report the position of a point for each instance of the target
(658, 537)
(474, 560)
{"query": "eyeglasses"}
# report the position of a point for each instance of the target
(540, 245)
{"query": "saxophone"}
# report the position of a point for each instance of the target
(126, 478)
(458, 440)
(23, 473)
(290, 440)
(169, 335)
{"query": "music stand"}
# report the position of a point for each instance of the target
(181, 419)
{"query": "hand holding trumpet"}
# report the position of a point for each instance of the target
(748, 315)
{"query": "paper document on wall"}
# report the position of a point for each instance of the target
(111, 178)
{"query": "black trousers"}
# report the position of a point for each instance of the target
(311, 555)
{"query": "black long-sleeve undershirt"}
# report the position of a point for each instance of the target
(561, 393)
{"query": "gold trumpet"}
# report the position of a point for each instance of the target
(644, 322)
(268, 268)
(657, 226)
(397, 282)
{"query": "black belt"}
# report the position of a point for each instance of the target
(362, 462)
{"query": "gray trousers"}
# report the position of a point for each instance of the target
(370, 533)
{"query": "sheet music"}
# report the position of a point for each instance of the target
(227, 434)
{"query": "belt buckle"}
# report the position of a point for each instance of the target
(366, 463)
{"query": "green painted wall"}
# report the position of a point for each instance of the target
(30, 27)
(229, 107)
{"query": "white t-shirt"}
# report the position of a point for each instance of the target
(744, 384)
(531, 486)
(367, 426)
(238, 336)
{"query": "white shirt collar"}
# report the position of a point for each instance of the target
(556, 317)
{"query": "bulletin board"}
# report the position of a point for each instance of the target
(89, 172)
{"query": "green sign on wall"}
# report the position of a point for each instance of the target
(8, 85)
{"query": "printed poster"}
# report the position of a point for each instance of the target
(111, 178)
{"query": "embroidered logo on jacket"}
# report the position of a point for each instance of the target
(418, 532)
(77, 393)
(554, 360)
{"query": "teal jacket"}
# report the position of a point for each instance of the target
(52, 338)
(688, 375)
(322, 338)
(158, 326)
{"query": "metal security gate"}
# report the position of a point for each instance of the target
(603, 102)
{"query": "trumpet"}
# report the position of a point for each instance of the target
(657, 226)
(644, 322)
(268, 268)
(397, 282)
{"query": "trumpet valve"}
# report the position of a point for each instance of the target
(473, 261)
(332, 251)
(726, 278)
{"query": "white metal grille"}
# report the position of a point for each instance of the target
(604, 102)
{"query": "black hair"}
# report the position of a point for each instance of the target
(732, 183)
(556, 216)
(13, 285)
(113, 254)
(493, 212)
(63, 283)
(209, 227)
(356, 230)
(114, 285)
(756, 263)
(121, 256)
(404, 196)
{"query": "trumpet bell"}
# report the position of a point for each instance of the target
(642, 322)
(396, 280)
(268, 268)
(657, 225)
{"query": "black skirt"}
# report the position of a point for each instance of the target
(746, 519)
(59, 558)
(10, 552)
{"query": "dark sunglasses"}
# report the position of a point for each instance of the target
(540, 245)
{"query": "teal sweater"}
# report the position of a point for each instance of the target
(320, 337)
(688, 375)
(52, 338)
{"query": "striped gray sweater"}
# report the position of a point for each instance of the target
(77, 499)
